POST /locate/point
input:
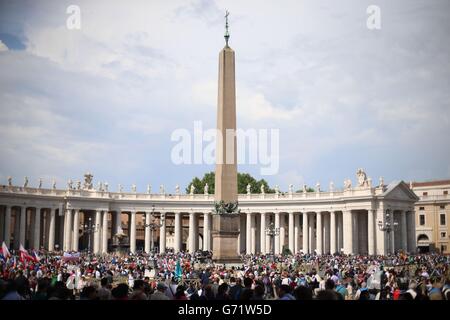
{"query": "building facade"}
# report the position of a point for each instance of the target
(432, 215)
(83, 217)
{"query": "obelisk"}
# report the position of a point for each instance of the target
(225, 220)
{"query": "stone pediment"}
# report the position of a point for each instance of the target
(399, 190)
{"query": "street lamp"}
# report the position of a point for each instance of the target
(152, 225)
(388, 227)
(89, 229)
(271, 231)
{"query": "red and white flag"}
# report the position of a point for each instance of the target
(4, 251)
(24, 255)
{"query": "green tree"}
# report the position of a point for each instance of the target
(243, 180)
(307, 190)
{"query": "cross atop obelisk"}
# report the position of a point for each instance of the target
(227, 34)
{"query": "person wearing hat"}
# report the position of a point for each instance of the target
(159, 294)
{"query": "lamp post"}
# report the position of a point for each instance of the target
(388, 227)
(271, 231)
(152, 225)
(89, 229)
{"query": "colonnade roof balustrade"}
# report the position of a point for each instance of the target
(97, 194)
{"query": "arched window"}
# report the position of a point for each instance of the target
(423, 238)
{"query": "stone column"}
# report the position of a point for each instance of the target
(326, 235)
(393, 233)
(2, 224)
(76, 227)
(263, 233)
(68, 230)
(319, 239)
(51, 231)
(380, 236)
(248, 234)
(277, 237)
(37, 229)
(296, 233)
(97, 226)
(253, 230)
(312, 233)
(282, 231)
(178, 235)
(105, 232)
(192, 234)
(133, 232)
(267, 237)
(118, 222)
(347, 231)
(403, 227)
(411, 231)
(291, 234)
(371, 231)
(147, 240)
(333, 248)
(162, 233)
(305, 234)
(355, 232)
(7, 234)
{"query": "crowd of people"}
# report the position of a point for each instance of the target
(183, 276)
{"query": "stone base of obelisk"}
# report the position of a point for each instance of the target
(225, 235)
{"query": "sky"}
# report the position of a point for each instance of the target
(106, 98)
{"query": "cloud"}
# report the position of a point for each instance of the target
(3, 46)
(107, 97)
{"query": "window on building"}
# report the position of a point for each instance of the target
(442, 207)
(443, 248)
(442, 216)
(425, 193)
(443, 235)
(445, 192)
(422, 208)
(422, 219)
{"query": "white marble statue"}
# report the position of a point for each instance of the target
(348, 184)
(317, 187)
(362, 178)
(40, 183)
(120, 188)
(161, 189)
(88, 181)
(99, 186)
(249, 189)
(381, 182)
(133, 188)
(331, 186)
(78, 185)
(262, 189)
(54, 185)
(106, 186)
(149, 189)
(304, 188)
(291, 188)
(69, 184)
(411, 185)
(177, 189)
(206, 188)
(192, 189)
(10, 181)
(277, 189)
(25, 182)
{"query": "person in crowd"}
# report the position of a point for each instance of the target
(160, 292)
